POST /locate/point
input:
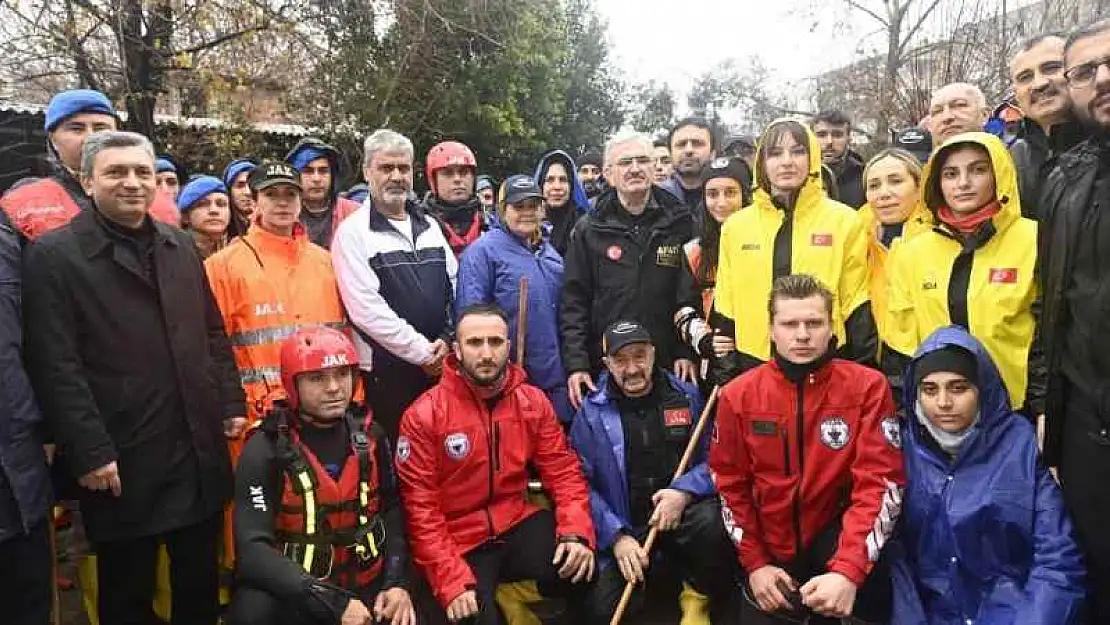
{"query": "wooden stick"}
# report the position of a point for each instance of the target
(522, 321)
(55, 598)
(626, 596)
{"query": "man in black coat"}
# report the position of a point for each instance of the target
(130, 363)
(25, 555)
(623, 263)
(833, 130)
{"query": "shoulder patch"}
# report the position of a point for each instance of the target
(835, 433)
(892, 432)
(404, 448)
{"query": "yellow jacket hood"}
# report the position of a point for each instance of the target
(813, 186)
(1005, 175)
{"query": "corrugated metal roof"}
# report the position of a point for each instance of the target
(295, 130)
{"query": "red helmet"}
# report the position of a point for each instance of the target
(313, 349)
(444, 155)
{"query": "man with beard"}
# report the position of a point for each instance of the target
(463, 460)
(564, 198)
(318, 166)
(1074, 256)
(954, 109)
(693, 145)
(1048, 129)
(450, 170)
(589, 172)
(631, 435)
(833, 130)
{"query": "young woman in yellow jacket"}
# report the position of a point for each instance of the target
(892, 215)
(793, 227)
(974, 269)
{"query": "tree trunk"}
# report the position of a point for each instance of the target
(144, 51)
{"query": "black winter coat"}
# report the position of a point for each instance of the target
(1035, 154)
(611, 276)
(849, 180)
(128, 356)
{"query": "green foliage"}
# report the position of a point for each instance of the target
(656, 111)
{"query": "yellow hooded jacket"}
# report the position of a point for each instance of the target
(927, 273)
(878, 255)
(827, 241)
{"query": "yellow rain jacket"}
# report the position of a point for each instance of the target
(997, 301)
(827, 241)
(878, 255)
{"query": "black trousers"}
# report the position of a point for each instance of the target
(523, 553)
(698, 551)
(252, 606)
(26, 587)
(126, 572)
(390, 389)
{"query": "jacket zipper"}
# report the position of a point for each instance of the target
(801, 471)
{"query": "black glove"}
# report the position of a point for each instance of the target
(326, 603)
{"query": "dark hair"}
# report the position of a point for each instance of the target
(833, 118)
(771, 138)
(483, 309)
(1094, 28)
(798, 286)
(661, 143)
(696, 122)
(1037, 40)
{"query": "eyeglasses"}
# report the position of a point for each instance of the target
(1084, 74)
(629, 161)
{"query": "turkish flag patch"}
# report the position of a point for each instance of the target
(821, 240)
(1003, 276)
(675, 417)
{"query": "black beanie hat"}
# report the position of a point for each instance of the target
(725, 167)
(951, 358)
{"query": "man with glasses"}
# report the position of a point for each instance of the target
(624, 262)
(1074, 254)
(1048, 129)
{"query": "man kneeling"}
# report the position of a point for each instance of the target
(631, 434)
(319, 531)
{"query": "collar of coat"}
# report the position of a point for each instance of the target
(95, 239)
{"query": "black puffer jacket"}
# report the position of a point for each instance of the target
(1035, 154)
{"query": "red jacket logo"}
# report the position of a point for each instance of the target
(676, 417)
(1003, 276)
(821, 240)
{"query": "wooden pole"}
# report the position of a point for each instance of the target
(522, 321)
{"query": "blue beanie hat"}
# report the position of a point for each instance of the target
(302, 157)
(197, 189)
(163, 164)
(66, 104)
(236, 167)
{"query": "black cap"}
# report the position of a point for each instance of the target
(593, 157)
(519, 188)
(273, 173)
(735, 168)
(950, 358)
(622, 333)
(915, 141)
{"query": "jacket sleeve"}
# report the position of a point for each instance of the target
(730, 466)
(452, 277)
(433, 550)
(1055, 587)
(561, 475)
(1037, 385)
(232, 396)
(607, 523)
(577, 302)
(696, 480)
(394, 571)
(369, 312)
(56, 368)
(690, 318)
(475, 279)
(900, 325)
(862, 341)
(877, 480)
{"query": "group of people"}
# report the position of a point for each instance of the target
(785, 384)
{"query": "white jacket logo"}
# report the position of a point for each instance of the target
(262, 310)
(334, 360)
(258, 498)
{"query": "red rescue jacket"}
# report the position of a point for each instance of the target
(463, 473)
(789, 459)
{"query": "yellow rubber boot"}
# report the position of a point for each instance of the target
(513, 599)
(694, 606)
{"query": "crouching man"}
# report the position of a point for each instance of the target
(319, 531)
(807, 460)
(462, 458)
(631, 434)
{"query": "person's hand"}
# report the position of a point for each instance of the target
(631, 557)
(686, 370)
(669, 504)
(434, 366)
(574, 387)
(233, 427)
(463, 606)
(831, 595)
(104, 478)
(764, 583)
(575, 561)
(395, 605)
(355, 614)
(50, 449)
(722, 344)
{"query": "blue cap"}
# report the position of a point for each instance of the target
(518, 188)
(163, 164)
(197, 189)
(302, 157)
(66, 104)
(236, 167)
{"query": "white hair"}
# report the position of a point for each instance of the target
(97, 142)
(622, 137)
(385, 140)
(975, 92)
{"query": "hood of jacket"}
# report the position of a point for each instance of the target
(814, 187)
(330, 152)
(577, 191)
(1005, 176)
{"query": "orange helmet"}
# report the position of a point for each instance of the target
(444, 155)
(313, 349)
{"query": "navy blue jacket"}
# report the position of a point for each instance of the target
(598, 437)
(984, 538)
(24, 478)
